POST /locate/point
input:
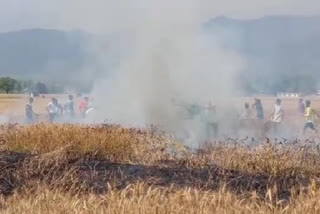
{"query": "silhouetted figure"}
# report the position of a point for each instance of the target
(30, 115)
(69, 107)
(259, 109)
(211, 121)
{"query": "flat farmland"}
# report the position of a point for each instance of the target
(14, 104)
(103, 168)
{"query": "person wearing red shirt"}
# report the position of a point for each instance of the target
(83, 107)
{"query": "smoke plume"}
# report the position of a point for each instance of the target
(159, 60)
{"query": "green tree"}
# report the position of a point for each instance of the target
(41, 88)
(8, 84)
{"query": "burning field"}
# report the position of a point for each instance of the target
(110, 169)
(84, 79)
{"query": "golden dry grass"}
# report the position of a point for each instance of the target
(110, 169)
(141, 198)
(103, 141)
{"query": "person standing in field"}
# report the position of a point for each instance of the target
(259, 109)
(29, 111)
(53, 110)
(69, 107)
(83, 107)
(301, 106)
(245, 119)
(310, 115)
(277, 116)
(246, 113)
(60, 108)
(211, 121)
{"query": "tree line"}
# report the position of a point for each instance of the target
(10, 85)
(246, 82)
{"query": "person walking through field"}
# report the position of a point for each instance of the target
(53, 110)
(310, 115)
(259, 109)
(69, 108)
(246, 113)
(211, 121)
(246, 120)
(30, 115)
(83, 107)
(277, 116)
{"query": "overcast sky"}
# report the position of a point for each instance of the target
(91, 14)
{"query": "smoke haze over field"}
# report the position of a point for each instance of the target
(172, 58)
(158, 54)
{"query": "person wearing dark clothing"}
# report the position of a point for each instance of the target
(211, 121)
(29, 111)
(259, 109)
(194, 110)
(69, 107)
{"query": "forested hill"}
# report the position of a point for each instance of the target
(282, 52)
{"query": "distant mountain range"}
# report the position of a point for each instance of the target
(282, 51)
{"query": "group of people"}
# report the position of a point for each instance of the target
(247, 112)
(56, 111)
(251, 120)
(277, 116)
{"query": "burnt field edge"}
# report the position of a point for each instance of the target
(90, 175)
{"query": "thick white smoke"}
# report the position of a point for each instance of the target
(156, 55)
(172, 58)
(160, 58)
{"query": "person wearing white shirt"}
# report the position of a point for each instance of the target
(246, 113)
(53, 109)
(277, 116)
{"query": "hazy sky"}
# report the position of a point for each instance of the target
(68, 14)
